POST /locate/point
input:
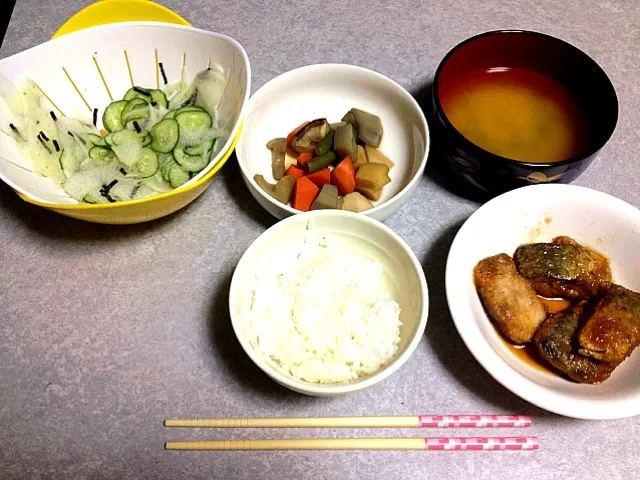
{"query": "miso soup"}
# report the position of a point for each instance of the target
(517, 113)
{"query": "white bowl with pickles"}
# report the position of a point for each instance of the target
(333, 136)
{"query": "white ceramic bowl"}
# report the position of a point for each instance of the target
(329, 91)
(380, 243)
(533, 214)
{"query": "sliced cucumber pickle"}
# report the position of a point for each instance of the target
(90, 199)
(195, 127)
(148, 148)
(69, 163)
(96, 140)
(135, 109)
(166, 162)
(191, 163)
(177, 176)
(159, 98)
(138, 92)
(202, 149)
(126, 136)
(112, 116)
(147, 165)
(101, 153)
(165, 135)
(190, 108)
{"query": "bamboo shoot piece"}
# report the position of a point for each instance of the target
(290, 158)
(376, 156)
(372, 176)
(370, 193)
(356, 202)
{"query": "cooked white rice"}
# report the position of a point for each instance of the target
(321, 313)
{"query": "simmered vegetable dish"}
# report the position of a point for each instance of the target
(322, 165)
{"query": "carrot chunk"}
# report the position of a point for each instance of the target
(304, 194)
(304, 158)
(295, 172)
(344, 176)
(320, 177)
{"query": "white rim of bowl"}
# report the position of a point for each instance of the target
(265, 90)
(320, 388)
(493, 363)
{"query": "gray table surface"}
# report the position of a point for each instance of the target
(105, 331)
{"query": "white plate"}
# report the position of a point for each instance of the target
(329, 91)
(538, 213)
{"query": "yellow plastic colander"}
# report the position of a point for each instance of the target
(114, 11)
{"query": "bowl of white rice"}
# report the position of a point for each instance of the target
(329, 302)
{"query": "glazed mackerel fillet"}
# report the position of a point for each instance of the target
(586, 342)
(509, 299)
(612, 328)
(563, 268)
(554, 341)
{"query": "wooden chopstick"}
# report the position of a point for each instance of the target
(428, 444)
(428, 421)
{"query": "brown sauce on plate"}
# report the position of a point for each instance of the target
(555, 305)
(527, 352)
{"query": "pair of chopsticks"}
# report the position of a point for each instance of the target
(418, 421)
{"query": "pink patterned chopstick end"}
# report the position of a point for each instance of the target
(482, 443)
(475, 421)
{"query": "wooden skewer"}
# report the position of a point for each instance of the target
(429, 421)
(429, 444)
